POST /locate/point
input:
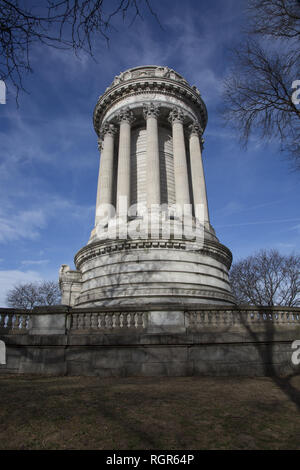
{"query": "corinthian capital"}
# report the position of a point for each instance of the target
(107, 128)
(195, 129)
(100, 144)
(176, 115)
(125, 115)
(150, 110)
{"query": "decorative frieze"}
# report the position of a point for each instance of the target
(170, 88)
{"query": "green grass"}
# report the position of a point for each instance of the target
(147, 413)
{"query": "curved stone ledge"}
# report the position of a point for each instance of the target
(210, 248)
(155, 296)
(146, 80)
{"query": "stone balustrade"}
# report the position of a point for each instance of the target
(101, 321)
(203, 318)
(14, 321)
(136, 341)
(67, 320)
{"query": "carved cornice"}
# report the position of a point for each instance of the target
(181, 293)
(151, 110)
(142, 84)
(210, 248)
(150, 71)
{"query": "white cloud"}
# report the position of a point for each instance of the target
(24, 224)
(35, 262)
(28, 224)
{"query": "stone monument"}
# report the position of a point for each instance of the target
(152, 242)
(150, 294)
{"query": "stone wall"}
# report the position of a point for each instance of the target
(132, 342)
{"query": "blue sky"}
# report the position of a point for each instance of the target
(48, 148)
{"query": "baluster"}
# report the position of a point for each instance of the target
(110, 320)
(2, 320)
(16, 322)
(140, 320)
(126, 320)
(87, 321)
(23, 321)
(94, 321)
(145, 319)
(131, 316)
(117, 320)
(192, 319)
(102, 323)
(9, 322)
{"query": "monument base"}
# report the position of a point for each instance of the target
(205, 340)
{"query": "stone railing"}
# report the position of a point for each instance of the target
(14, 321)
(101, 321)
(242, 316)
(65, 320)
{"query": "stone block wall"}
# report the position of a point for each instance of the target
(240, 341)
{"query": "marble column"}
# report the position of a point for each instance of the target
(197, 172)
(105, 177)
(176, 117)
(125, 118)
(151, 112)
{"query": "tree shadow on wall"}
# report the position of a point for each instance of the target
(265, 343)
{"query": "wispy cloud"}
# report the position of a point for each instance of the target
(260, 222)
(28, 224)
(35, 262)
(25, 224)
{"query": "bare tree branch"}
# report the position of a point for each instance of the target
(64, 24)
(267, 278)
(258, 94)
(31, 294)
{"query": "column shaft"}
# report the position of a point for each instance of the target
(180, 161)
(123, 181)
(198, 178)
(153, 169)
(105, 177)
